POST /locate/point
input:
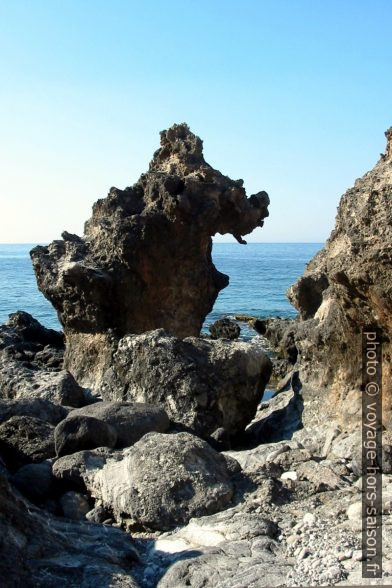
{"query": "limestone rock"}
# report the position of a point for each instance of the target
(163, 480)
(202, 384)
(145, 259)
(226, 549)
(224, 328)
(347, 285)
(130, 420)
(32, 407)
(36, 549)
(71, 469)
(79, 432)
(25, 440)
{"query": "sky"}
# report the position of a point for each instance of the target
(292, 96)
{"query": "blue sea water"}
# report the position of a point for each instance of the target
(260, 274)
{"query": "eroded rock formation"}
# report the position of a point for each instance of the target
(346, 286)
(145, 259)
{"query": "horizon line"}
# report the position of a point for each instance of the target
(216, 242)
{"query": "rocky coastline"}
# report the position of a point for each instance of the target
(137, 452)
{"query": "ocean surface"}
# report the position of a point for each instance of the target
(260, 274)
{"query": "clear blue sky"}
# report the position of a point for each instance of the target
(293, 96)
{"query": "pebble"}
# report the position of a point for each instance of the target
(289, 476)
(354, 511)
(305, 551)
(309, 519)
(358, 555)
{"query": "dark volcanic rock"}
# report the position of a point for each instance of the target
(36, 549)
(346, 286)
(35, 407)
(130, 420)
(25, 440)
(35, 480)
(164, 480)
(224, 328)
(145, 260)
(203, 384)
(79, 432)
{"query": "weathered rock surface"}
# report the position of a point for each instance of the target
(32, 407)
(31, 362)
(163, 481)
(72, 469)
(79, 432)
(40, 550)
(130, 420)
(145, 259)
(225, 328)
(226, 549)
(346, 286)
(203, 384)
(25, 440)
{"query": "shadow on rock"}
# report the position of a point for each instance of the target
(278, 419)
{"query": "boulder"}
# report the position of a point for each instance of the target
(224, 328)
(39, 549)
(202, 384)
(70, 470)
(39, 408)
(164, 480)
(82, 432)
(130, 420)
(35, 481)
(145, 261)
(25, 440)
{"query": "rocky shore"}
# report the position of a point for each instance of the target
(136, 452)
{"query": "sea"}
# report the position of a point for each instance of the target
(260, 274)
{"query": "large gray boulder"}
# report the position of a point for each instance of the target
(163, 481)
(202, 384)
(25, 440)
(130, 420)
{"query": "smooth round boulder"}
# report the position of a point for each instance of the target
(164, 480)
(82, 432)
(25, 440)
(131, 420)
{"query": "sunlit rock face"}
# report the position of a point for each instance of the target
(346, 286)
(145, 259)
